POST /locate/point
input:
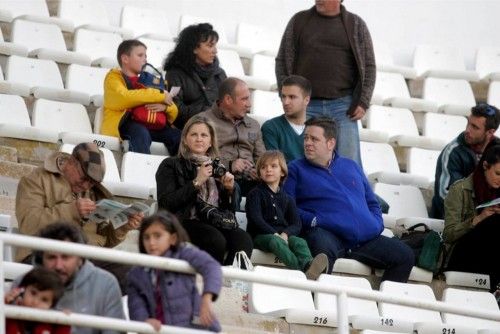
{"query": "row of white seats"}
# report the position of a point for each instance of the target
(298, 306)
(440, 61)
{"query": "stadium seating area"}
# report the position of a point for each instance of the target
(52, 67)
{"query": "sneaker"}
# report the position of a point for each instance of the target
(317, 266)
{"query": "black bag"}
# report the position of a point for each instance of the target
(427, 246)
(220, 218)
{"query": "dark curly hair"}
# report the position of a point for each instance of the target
(189, 39)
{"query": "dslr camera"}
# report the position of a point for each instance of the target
(218, 169)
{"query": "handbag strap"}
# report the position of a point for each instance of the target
(414, 227)
(154, 68)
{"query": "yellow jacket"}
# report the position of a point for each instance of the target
(118, 99)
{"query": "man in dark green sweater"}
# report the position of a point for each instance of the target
(285, 132)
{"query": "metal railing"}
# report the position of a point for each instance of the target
(105, 254)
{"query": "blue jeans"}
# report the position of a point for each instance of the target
(140, 137)
(348, 134)
(381, 253)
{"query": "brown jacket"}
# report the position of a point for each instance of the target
(240, 140)
(45, 197)
(361, 44)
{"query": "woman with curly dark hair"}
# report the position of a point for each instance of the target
(193, 66)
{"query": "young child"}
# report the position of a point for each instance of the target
(273, 220)
(40, 288)
(119, 101)
(171, 298)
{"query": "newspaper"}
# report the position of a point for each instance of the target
(494, 202)
(117, 213)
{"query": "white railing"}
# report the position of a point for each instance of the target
(105, 254)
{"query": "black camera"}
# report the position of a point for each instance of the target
(218, 169)
(220, 218)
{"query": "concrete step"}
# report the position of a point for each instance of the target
(29, 151)
(8, 154)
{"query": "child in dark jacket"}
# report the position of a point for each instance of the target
(273, 221)
(171, 298)
(39, 288)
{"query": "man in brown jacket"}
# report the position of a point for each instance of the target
(66, 189)
(239, 136)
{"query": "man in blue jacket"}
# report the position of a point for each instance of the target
(340, 214)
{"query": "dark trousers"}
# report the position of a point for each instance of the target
(477, 251)
(140, 137)
(217, 242)
(390, 254)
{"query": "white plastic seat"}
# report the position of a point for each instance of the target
(488, 63)
(9, 48)
(6, 227)
(262, 67)
(380, 165)
(32, 10)
(441, 62)
(99, 46)
(474, 299)
(38, 77)
(453, 97)
(88, 14)
(223, 43)
(355, 306)
(406, 313)
(417, 274)
(45, 41)
(138, 173)
(442, 126)
(241, 218)
(13, 270)
(296, 306)
(70, 123)
(87, 80)
(15, 121)
(266, 104)
(494, 94)
(157, 51)
(406, 206)
(385, 61)
(231, 63)
(471, 280)
(350, 266)
(391, 90)
(257, 39)
(263, 258)
(421, 162)
(401, 127)
(151, 23)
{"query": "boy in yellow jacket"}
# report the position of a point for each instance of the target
(119, 100)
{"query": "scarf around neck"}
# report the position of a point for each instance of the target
(205, 72)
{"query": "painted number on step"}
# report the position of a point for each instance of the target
(448, 331)
(387, 322)
(100, 143)
(276, 260)
(481, 281)
(320, 320)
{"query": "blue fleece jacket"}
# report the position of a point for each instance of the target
(339, 197)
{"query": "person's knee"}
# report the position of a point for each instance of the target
(276, 243)
(404, 255)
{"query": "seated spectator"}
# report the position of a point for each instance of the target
(286, 132)
(122, 93)
(87, 289)
(189, 187)
(459, 158)
(193, 66)
(339, 212)
(67, 188)
(177, 301)
(471, 234)
(273, 220)
(240, 139)
(40, 288)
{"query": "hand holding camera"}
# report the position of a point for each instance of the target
(211, 168)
